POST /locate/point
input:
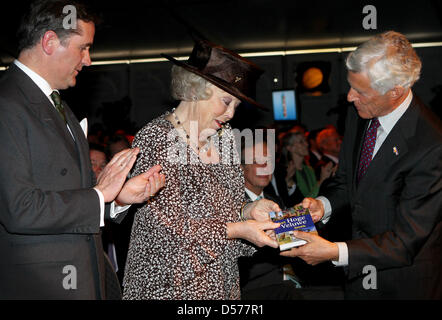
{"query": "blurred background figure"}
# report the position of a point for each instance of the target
(314, 152)
(262, 275)
(116, 143)
(329, 142)
(98, 158)
(293, 177)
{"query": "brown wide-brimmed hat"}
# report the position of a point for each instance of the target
(223, 68)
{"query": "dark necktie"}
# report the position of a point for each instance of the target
(55, 96)
(368, 147)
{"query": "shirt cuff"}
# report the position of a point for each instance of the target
(101, 197)
(115, 209)
(327, 208)
(343, 255)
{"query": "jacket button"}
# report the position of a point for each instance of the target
(64, 171)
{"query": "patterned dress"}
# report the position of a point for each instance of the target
(179, 247)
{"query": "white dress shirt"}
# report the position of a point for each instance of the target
(254, 196)
(387, 124)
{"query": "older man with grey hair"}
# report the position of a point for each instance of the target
(390, 170)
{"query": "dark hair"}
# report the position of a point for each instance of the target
(98, 147)
(45, 15)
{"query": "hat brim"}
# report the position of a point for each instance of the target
(220, 83)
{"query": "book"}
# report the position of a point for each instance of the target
(295, 218)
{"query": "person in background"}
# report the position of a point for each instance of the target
(314, 152)
(98, 158)
(294, 178)
(116, 143)
(329, 143)
(390, 175)
(262, 275)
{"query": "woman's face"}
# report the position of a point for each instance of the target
(300, 145)
(217, 110)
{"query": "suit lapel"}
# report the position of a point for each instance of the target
(40, 105)
(82, 146)
(393, 149)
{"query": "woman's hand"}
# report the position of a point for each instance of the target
(253, 231)
(259, 210)
(142, 187)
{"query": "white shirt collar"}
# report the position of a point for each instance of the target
(252, 195)
(335, 159)
(388, 121)
(39, 81)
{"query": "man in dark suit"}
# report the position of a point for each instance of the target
(52, 209)
(390, 169)
(262, 275)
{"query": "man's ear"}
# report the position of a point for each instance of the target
(396, 92)
(50, 42)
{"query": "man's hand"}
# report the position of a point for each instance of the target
(315, 251)
(259, 210)
(111, 179)
(316, 208)
(140, 188)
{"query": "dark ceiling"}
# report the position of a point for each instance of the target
(135, 29)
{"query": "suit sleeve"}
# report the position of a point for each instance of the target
(27, 207)
(336, 190)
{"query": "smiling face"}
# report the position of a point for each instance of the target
(71, 55)
(217, 110)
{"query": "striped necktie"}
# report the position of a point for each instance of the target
(55, 96)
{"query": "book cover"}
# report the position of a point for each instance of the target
(296, 218)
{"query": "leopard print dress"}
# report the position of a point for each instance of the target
(179, 247)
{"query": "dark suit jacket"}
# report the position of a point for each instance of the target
(396, 208)
(288, 200)
(265, 267)
(49, 214)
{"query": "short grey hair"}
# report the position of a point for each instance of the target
(188, 86)
(388, 59)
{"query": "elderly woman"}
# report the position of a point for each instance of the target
(185, 241)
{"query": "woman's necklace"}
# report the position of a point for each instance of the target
(205, 148)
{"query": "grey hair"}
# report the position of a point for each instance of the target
(388, 59)
(188, 86)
